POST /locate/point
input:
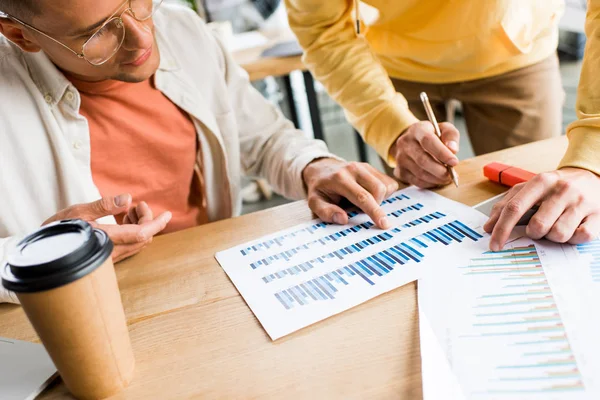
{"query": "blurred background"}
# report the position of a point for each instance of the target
(252, 28)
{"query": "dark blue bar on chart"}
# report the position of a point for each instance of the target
(389, 254)
(465, 230)
(359, 271)
(457, 232)
(406, 250)
(443, 234)
(400, 253)
(446, 229)
(380, 264)
(430, 237)
(389, 261)
(438, 237)
(418, 242)
(369, 267)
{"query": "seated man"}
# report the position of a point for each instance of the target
(131, 112)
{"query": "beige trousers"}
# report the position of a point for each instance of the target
(507, 110)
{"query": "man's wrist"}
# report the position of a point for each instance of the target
(311, 168)
(316, 166)
(577, 169)
(394, 147)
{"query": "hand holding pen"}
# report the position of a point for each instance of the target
(425, 152)
(433, 121)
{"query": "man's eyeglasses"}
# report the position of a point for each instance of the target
(106, 41)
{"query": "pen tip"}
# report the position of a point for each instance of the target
(454, 176)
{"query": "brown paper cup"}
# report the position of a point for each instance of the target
(83, 328)
(82, 325)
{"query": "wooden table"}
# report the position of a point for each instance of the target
(194, 337)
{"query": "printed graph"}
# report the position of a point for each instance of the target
(279, 241)
(368, 269)
(301, 275)
(515, 328)
(342, 252)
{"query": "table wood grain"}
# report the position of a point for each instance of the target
(194, 337)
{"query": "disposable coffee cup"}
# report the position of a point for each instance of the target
(64, 278)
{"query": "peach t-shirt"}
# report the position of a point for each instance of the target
(143, 144)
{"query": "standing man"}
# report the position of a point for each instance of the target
(497, 57)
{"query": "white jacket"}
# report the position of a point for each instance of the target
(45, 142)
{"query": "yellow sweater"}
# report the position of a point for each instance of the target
(434, 41)
(584, 134)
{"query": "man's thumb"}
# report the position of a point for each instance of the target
(107, 206)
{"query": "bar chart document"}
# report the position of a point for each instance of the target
(512, 324)
(304, 274)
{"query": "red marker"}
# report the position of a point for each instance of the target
(506, 174)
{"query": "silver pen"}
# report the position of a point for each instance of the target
(433, 121)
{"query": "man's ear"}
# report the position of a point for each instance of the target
(15, 32)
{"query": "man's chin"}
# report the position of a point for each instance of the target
(139, 74)
(132, 78)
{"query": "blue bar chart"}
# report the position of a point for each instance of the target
(371, 268)
(340, 253)
(358, 247)
(279, 241)
(399, 212)
(322, 241)
(328, 240)
(424, 219)
(303, 274)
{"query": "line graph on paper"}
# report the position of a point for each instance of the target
(591, 251)
(516, 318)
(505, 319)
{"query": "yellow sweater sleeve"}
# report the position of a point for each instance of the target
(351, 73)
(584, 134)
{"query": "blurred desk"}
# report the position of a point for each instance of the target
(260, 67)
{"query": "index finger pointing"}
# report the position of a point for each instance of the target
(361, 198)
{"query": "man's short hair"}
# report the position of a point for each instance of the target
(23, 9)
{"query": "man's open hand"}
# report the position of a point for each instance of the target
(138, 229)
